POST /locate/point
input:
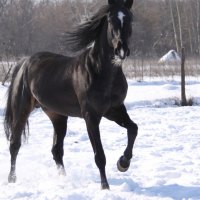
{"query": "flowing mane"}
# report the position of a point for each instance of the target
(84, 34)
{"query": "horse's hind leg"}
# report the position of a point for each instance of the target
(15, 142)
(121, 117)
(60, 127)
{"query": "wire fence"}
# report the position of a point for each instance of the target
(139, 68)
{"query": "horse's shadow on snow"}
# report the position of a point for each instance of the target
(174, 191)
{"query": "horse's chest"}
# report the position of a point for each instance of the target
(103, 98)
(100, 92)
(99, 98)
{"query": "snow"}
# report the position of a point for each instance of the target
(170, 57)
(166, 158)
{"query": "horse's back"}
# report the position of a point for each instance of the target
(50, 81)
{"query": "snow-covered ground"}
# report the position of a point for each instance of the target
(166, 162)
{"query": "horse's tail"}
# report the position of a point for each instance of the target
(18, 99)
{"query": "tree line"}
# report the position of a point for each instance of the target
(29, 26)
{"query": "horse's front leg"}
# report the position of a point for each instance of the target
(121, 117)
(92, 123)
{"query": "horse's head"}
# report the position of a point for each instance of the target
(119, 28)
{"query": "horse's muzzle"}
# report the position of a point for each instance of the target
(122, 53)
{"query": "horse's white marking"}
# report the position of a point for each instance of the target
(121, 16)
(122, 53)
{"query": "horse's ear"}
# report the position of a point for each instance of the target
(110, 2)
(128, 3)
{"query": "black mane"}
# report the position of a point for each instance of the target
(84, 34)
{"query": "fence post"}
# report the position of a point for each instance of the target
(183, 96)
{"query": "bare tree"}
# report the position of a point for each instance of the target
(28, 26)
(198, 24)
(174, 26)
(179, 24)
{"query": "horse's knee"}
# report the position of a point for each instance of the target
(132, 128)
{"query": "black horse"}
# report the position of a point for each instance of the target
(90, 85)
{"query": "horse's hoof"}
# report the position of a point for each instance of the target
(61, 171)
(123, 164)
(12, 178)
(105, 186)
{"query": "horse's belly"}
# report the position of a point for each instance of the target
(62, 102)
(66, 110)
(62, 107)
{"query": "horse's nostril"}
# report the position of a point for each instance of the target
(128, 52)
(116, 52)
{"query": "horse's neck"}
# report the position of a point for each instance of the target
(102, 54)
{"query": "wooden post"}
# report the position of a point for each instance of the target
(183, 96)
